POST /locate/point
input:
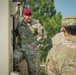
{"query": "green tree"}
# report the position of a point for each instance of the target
(45, 11)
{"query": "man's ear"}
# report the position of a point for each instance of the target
(63, 29)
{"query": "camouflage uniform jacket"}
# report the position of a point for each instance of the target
(61, 59)
(34, 29)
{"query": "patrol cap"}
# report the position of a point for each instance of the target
(69, 21)
(27, 11)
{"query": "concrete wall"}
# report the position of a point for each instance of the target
(4, 37)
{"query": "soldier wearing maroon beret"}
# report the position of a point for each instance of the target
(30, 33)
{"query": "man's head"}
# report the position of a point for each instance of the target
(27, 15)
(69, 25)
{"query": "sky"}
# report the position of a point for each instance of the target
(66, 7)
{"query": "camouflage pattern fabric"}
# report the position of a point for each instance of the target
(69, 21)
(38, 31)
(58, 38)
(61, 59)
(27, 47)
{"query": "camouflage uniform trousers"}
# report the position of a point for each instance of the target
(31, 55)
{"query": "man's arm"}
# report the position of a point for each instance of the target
(38, 31)
(41, 33)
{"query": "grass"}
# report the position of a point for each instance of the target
(42, 71)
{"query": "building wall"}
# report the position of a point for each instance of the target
(4, 37)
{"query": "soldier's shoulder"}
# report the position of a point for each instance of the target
(59, 34)
(34, 21)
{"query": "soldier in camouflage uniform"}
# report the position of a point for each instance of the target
(30, 34)
(61, 59)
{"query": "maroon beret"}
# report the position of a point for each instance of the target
(27, 11)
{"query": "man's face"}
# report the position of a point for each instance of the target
(27, 18)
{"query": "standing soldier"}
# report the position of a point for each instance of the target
(30, 33)
(61, 59)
